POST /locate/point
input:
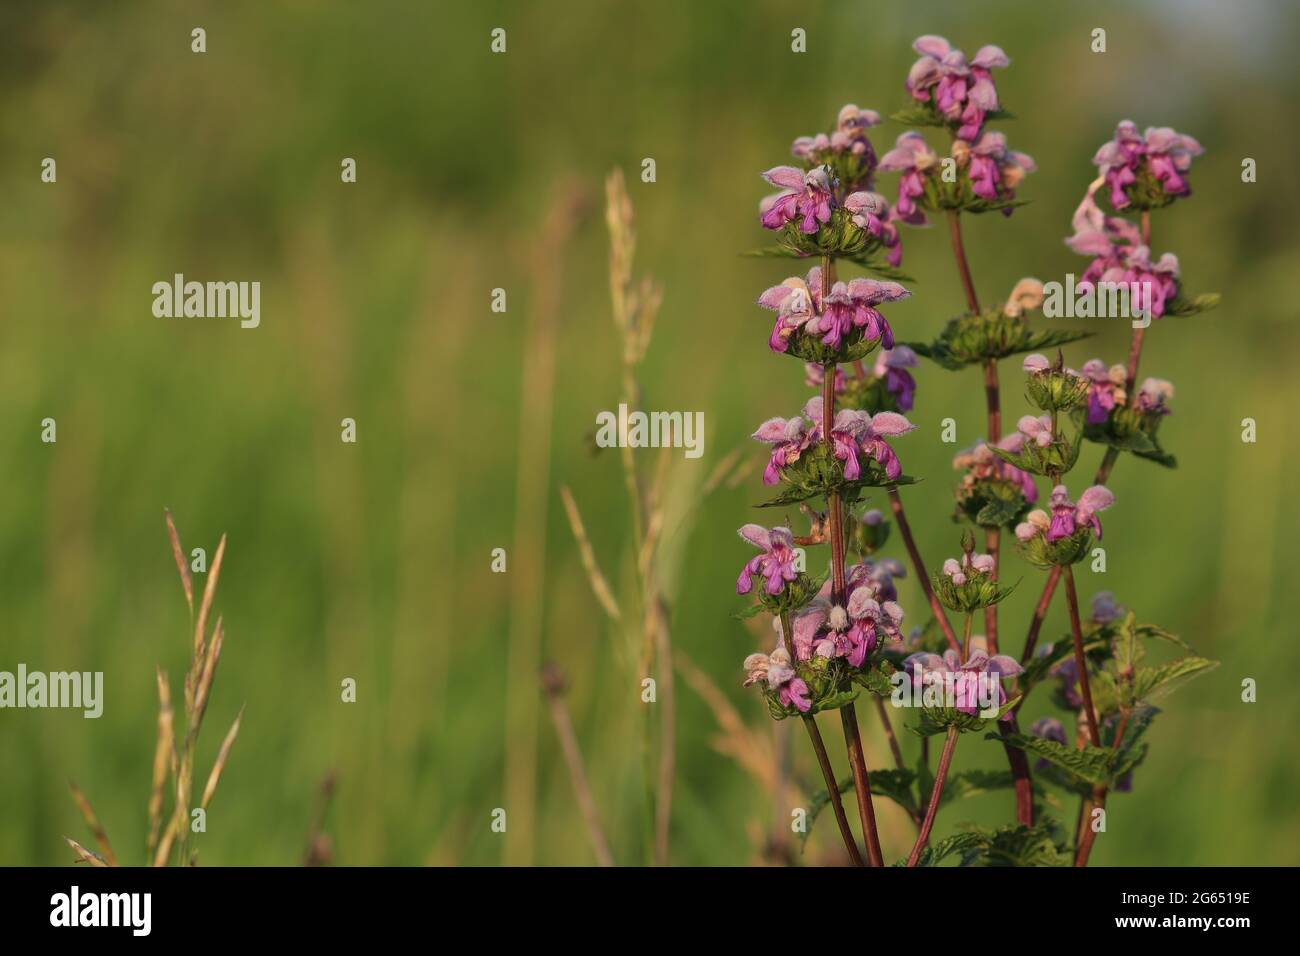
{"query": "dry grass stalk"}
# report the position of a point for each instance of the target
(599, 584)
(553, 684)
(92, 821)
(169, 759)
(86, 856)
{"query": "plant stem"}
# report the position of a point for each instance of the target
(889, 733)
(833, 789)
(861, 784)
(1040, 613)
(835, 522)
(992, 544)
(900, 517)
(1098, 801)
(945, 761)
(959, 253)
(1072, 598)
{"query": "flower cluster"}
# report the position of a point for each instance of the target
(966, 687)
(870, 617)
(846, 147)
(982, 466)
(962, 93)
(970, 583)
(856, 437)
(1067, 518)
(1148, 170)
(1054, 388)
(1120, 256)
(845, 316)
(981, 171)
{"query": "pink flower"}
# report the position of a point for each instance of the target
(1036, 430)
(776, 671)
(789, 438)
(995, 171)
(891, 366)
(1167, 156)
(972, 682)
(913, 157)
(810, 195)
(775, 564)
(1067, 517)
(961, 92)
(981, 465)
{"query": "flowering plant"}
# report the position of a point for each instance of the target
(839, 634)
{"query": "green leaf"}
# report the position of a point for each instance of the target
(970, 783)
(896, 785)
(1152, 683)
(1201, 303)
(1090, 764)
(881, 268)
(833, 701)
(774, 252)
(957, 843)
(791, 496)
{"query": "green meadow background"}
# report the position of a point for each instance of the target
(480, 171)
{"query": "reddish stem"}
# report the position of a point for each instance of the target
(936, 793)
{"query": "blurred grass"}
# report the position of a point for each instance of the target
(372, 560)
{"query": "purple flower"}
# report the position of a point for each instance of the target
(826, 630)
(1036, 430)
(789, 438)
(878, 575)
(867, 211)
(995, 171)
(1067, 517)
(775, 564)
(810, 195)
(961, 92)
(800, 306)
(970, 681)
(793, 303)
(892, 367)
(848, 139)
(1049, 728)
(1105, 609)
(1095, 233)
(1166, 154)
(776, 671)
(1154, 395)
(913, 157)
(872, 440)
(1106, 391)
(1067, 671)
(982, 465)
(958, 572)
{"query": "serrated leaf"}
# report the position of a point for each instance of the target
(1089, 764)
(774, 252)
(1201, 303)
(1152, 683)
(970, 783)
